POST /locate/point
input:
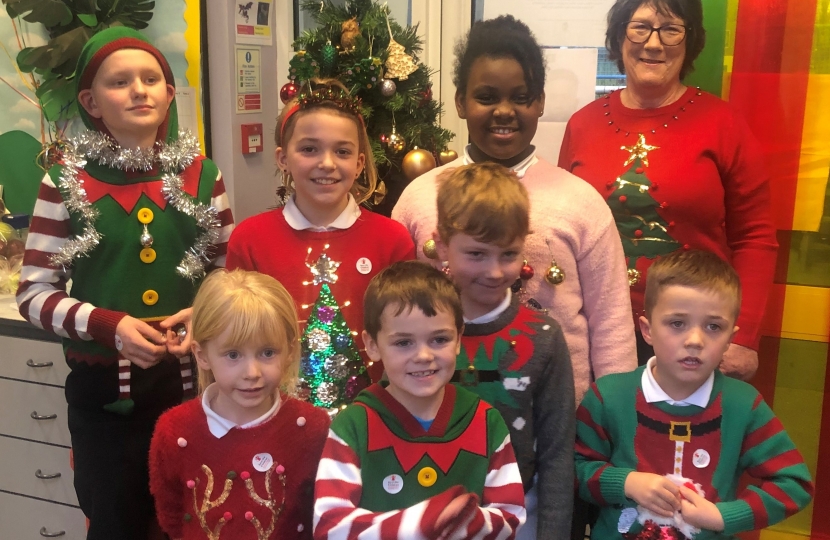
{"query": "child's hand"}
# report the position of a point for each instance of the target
(140, 343)
(455, 514)
(178, 345)
(699, 512)
(653, 492)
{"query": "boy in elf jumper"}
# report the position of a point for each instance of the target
(663, 447)
(515, 358)
(415, 456)
(134, 215)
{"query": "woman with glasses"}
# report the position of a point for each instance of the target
(677, 166)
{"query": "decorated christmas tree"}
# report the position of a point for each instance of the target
(376, 59)
(331, 369)
(644, 233)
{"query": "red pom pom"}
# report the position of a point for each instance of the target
(228, 516)
(671, 224)
(288, 92)
(245, 475)
(623, 198)
(638, 170)
(526, 272)
(638, 233)
(249, 515)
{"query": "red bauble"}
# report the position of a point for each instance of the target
(623, 198)
(288, 92)
(426, 95)
(526, 272)
(638, 233)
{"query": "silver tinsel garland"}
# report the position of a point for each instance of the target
(171, 160)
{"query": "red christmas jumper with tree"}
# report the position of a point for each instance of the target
(183, 450)
(708, 183)
(266, 243)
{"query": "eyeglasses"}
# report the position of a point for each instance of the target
(669, 34)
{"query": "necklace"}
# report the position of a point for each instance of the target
(675, 116)
(171, 160)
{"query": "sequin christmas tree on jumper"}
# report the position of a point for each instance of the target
(331, 369)
(644, 233)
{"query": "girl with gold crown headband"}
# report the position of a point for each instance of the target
(321, 245)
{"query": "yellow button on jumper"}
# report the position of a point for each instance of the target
(145, 215)
(150, 297)
(147, 255)
(427, 476)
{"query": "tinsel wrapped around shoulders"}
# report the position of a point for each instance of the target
(170, 159)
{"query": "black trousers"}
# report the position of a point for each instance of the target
(111, 472)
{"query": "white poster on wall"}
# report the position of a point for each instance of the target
(253, 21)
(248, 79)
(570, 84)
(557, 23)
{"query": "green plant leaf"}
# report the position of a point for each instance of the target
(88, 20)
(49, 13)
(57, 98)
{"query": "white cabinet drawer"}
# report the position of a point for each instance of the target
(23, 519)
(20, 400)
(30, 360)
(21, 460)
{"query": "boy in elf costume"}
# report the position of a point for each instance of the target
(514, 357)
(134, 215)
(662, 449)
(414, 456)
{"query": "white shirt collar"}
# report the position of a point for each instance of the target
(519, 168)
(297, 221)
(654, 394)
(492, 315)
(220, 426)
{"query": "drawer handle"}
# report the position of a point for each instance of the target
(32, 363)
(45, 532)
(36, 416)
(42, 476)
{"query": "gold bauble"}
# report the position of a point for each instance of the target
(554, 275)
(633, 276)
(396, 142)
(446, 156)
(430, 249)
(416, 162)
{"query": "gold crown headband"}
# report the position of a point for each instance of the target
(339, 97)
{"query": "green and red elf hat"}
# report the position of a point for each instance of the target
(97, 49)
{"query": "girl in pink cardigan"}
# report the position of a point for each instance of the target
(575, 266)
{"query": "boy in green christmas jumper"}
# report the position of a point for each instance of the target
(415, 456)
(134, 215)
(662, 449)
(514, 357)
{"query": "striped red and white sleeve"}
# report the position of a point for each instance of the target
(502, 509)
(337, 493)
(219, 200)
(41, 296)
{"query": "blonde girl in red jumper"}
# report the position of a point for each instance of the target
(240, 462)
(326, 161)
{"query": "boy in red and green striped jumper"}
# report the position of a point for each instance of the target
(662, 449)
(416, 457)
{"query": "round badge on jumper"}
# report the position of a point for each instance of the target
(701, 458)
(262, 462)
(393, 484)
(364, 265)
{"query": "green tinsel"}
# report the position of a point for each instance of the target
(331, 369)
